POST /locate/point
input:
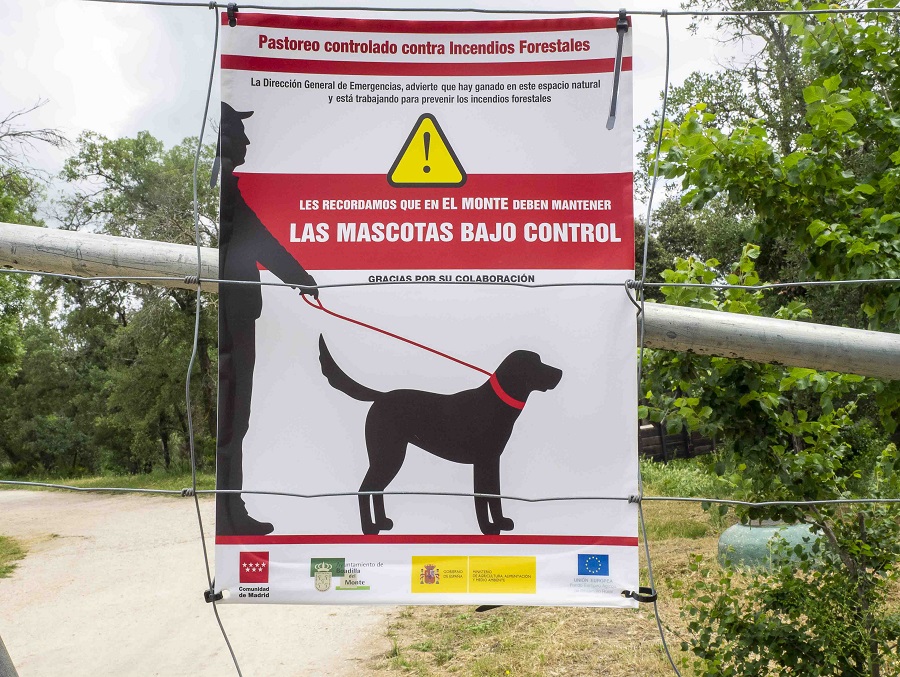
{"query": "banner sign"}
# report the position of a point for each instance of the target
(461, 196)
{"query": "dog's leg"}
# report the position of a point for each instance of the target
(490, 473)
(483, 486)
(365, 511)
(386, 457)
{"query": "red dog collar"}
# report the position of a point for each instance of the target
(504, 396)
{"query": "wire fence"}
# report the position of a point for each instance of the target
(629, 284)
(638, 285)
(189, 492)
(482, 10)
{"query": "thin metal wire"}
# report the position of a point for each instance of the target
(99, 278)
(193, 280)
(187, 381)
(641, 317)
(479, 10)
(458, 494)
(190, 492)
(527, 285)
(69, 487)
(774, 285)
(771, 504)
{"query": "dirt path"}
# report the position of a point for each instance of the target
(113, 585)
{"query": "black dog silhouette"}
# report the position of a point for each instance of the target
(472, 426)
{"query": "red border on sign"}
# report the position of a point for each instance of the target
(322, 67)
(426, 539)
(322, 23)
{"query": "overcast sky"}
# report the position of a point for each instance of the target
(118, 69)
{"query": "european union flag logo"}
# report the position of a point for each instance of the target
(593, 565)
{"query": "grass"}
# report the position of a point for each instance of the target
(681, 477)
(445, 641)
(548, 641)
(10, 553)
(154, 480)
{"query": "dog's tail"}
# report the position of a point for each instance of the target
(339, 380)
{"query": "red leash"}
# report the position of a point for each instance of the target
(318, 305)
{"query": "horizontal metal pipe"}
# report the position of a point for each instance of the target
(764, 339)
(91, 255)
(705, 332)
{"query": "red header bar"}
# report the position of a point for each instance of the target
(320, 23)
(426, 539)
(322, 67)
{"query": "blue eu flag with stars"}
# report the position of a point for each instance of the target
(593, 565)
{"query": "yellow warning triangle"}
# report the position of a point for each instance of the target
(426, 159)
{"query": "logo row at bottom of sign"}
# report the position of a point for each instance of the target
(428, 574)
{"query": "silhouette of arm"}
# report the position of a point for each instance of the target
(276, 258)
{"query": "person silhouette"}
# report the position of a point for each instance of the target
(243, 242)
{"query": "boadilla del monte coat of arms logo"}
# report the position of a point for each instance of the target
(323, 576)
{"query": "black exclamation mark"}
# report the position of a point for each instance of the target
(426, 137)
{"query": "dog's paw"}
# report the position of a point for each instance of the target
(489, 529)
(386, 524)
(370, 529)
(505, 524)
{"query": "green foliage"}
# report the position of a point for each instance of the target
(838, 189)
(14, 295)
(136, 187)
(797, 619)
(791, 434)
(93, 378)
(681, 477)
(19, 196)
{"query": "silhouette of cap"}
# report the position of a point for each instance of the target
(230, 115)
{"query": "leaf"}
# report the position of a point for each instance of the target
(814, 93)
(842, 121)
(831, 84)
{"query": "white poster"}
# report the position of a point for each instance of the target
(420, 181)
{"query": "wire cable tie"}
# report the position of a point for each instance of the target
(621, 29)
(644, 595)
(187, 492)
(212, 596)
(232, 11)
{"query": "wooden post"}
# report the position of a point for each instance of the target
(706, 332)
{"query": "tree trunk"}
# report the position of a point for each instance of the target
(164, 438)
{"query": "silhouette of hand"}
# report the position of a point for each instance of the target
(309, 281)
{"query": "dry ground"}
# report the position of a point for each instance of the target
(112, 585)
(549, 641)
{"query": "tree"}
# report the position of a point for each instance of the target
(813, 179)
(764, 84)
(790, 434)
(97, 371)
(20, 193)
(838, 192)
(135, 187)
